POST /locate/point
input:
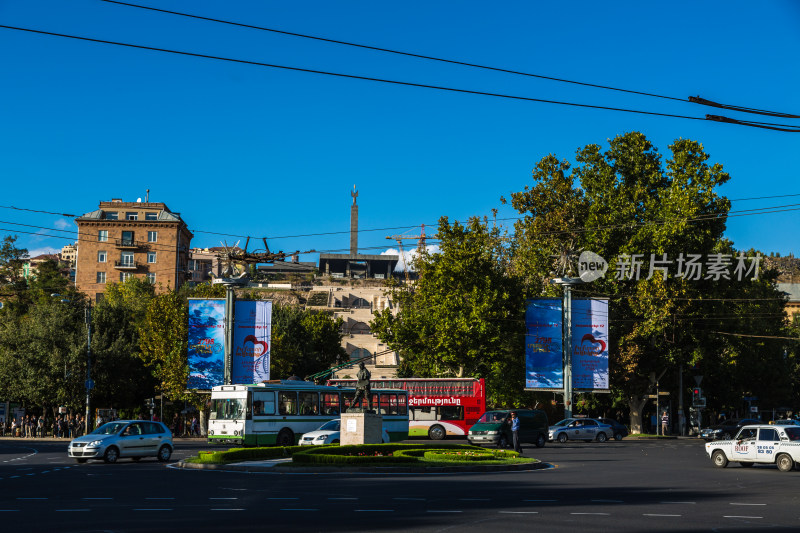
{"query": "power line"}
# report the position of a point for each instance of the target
(691, 99)
(355, 77)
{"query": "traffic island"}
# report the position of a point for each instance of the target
(383, 458)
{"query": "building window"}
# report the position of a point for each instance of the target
(126, 259)
(131, 216)
(111, 215)
(151, 216)
(101, 277)
(127, 238)
(123, 276)
(102, 257)
(151, 277)
(151, 257)
(102, 235)
(152, 236)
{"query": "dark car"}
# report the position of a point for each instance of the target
(727, 429)
(620, 430)
(494, 428)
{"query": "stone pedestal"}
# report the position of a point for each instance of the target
(361, 428)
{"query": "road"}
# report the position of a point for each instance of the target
(615, 486)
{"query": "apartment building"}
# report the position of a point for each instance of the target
(124, 239)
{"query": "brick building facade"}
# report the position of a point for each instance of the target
(123, 239)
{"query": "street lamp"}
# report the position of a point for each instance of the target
(566, 338)
(89, 384)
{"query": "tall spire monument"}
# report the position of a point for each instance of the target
(354, 223)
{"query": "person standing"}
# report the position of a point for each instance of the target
(515, 432)
(664, 423)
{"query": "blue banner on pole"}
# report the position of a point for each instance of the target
(206, 353)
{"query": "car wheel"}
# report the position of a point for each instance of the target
(719, 459)
(437, 432)
(602, 437)
(746, 464)
(164, 453)
(562, 438)
(784, 462)
(111, 455)
(618, 436)
(285, 437)
(502, 442)
(81, 461)
(540, 441)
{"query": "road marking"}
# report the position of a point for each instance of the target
(12, 477)
(656, 514)
(152, 509)
(594, 514)
(373, 510)
(44, 471)
(31, 498)
(223, 498)
(519, 512)
(735, 516)
(747, 504)
(299, 509)
(227, 509)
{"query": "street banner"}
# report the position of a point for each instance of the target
(206, 353)
(544, 367)
(252, 338)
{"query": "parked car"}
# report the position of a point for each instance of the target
(328, 433)
(123, 438)
(494, 428)
(727, 429)
(763, 443)
(585, 429)
(620, 429)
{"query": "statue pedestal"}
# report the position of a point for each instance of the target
(361, 428)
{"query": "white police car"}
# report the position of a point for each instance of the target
(762, 443)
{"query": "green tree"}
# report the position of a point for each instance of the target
(463, 317)
(12, 284)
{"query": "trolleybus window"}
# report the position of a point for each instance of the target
(263, 403)
(227, 409)
(287, 403)
(309, 403)
(330, 403)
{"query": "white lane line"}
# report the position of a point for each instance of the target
(12, 477)
(44, 471)
(373, 510)
(747, 504)
(299, 509)
(150, 509)
(223, 498)
(735, 516)
(519, 512)
(657, 514)
(593, 514)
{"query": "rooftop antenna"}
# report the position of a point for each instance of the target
(147, 196)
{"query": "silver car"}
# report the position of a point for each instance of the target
(328, 433)
(123, 438)
(585, 429)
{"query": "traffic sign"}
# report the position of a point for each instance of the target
(89, 384)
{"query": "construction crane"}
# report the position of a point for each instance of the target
(421, 243)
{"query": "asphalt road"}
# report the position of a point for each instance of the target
(615, 486)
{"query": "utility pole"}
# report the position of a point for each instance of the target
(89, 383)
(566, 338)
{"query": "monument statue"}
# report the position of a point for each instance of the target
(362, 388)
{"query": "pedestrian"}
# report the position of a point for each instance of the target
(664, 423)
(515, 432)
(40, 425)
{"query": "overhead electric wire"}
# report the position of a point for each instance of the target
(353, 76)
(691, 99)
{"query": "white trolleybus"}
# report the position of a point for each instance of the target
(279, 412)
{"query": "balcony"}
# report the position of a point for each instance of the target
(127, 244)
(126, 265)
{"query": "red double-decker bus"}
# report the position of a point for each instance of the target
(436, 407)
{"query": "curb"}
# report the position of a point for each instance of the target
(528, 467)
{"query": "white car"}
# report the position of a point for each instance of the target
(762, 443)
(328, 433)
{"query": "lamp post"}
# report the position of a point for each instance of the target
(566, 338)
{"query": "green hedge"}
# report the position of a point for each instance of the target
(235, 455)
(401, 454)
(441, 455)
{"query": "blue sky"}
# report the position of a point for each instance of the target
(247, 150)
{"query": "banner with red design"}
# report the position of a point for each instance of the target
(252, 338)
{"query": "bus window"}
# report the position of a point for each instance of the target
(388, 403)
(424, 413)
(309, 403)
(263, 403)
(451, 412)
(287, 403)
(227, 409)
(402, 409)
(330, 403)
(374, 402)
